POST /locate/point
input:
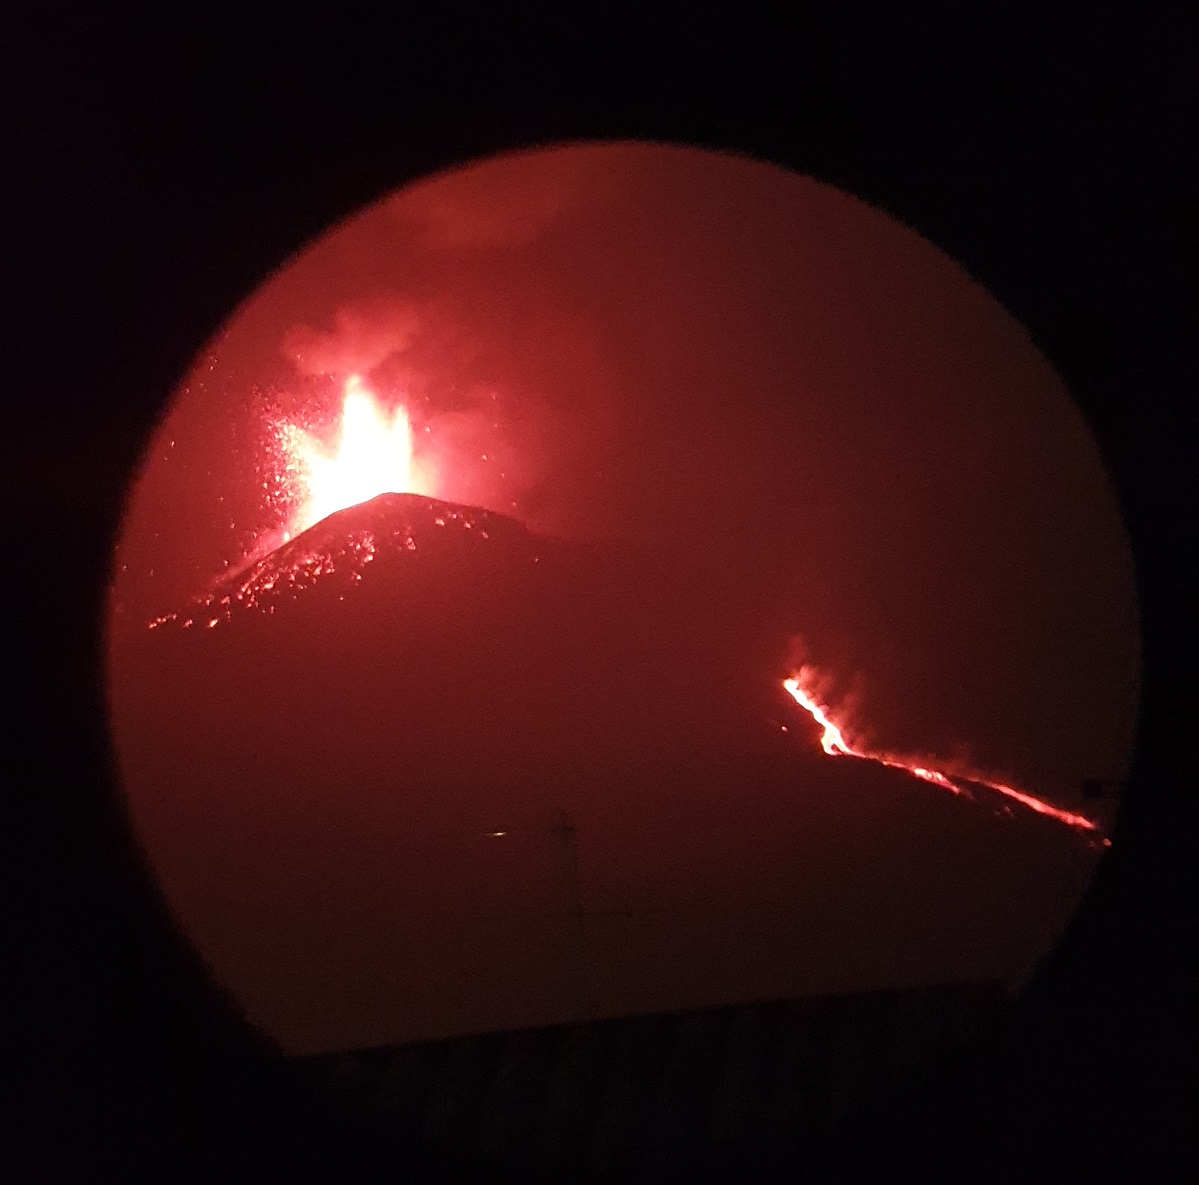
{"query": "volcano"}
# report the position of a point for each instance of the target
(351, 768)
(429, 644)
(388, 537)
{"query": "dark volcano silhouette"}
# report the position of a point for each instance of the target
(318, 777)
(443, 642)
(391, 537)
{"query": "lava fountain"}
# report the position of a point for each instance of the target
(373, 455)
(833, 742)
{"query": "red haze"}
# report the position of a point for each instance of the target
(729, 405)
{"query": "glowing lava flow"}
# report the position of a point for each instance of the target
(373, 456)
(834, 744)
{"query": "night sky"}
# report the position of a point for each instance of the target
(746, 407)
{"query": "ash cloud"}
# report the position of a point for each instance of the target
(363, 335)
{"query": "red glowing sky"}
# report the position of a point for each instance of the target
(809, 416)
(664, 347)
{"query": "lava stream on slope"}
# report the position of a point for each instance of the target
(833, 742)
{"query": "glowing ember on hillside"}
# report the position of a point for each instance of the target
(345, 551)
(373, 455)
(835, 745)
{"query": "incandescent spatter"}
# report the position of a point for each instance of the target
(344, 550)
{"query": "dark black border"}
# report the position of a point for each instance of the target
(156, 172)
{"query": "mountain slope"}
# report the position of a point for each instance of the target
(352, 790)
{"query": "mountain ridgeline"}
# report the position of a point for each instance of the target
(449, 642)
